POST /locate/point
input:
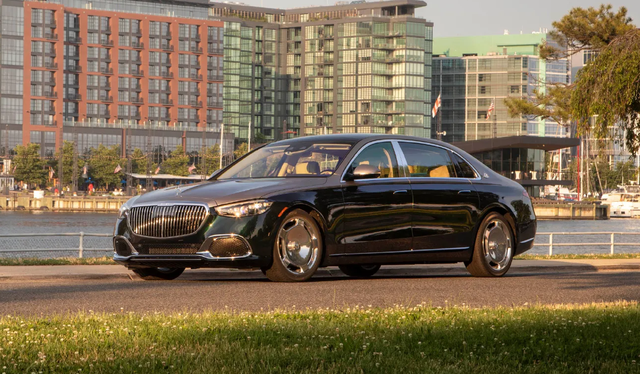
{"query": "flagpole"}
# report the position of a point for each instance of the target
(495, 119)
(439, 120)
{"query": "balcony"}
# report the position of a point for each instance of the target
(73, 68)
(51, 123)
(104, 70)
(75, 97)
(51, 24)
(137, 100)
(107, 43)
(166, 74)
(137, 45)
(167, 47)
(50, 36)
(137, 73)
(166, 101)
(215, 77)
(74, 39)
(51, 65)
(137, 60)
(106, 98)
(215, 51)
(197, 104)
(99, 115)
(197, 77)
(50, 94)
(214, 104)
(196, 49)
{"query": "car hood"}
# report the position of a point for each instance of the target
(221, 192)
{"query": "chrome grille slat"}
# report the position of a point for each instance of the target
(166, 221)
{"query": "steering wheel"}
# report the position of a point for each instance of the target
(329, 171)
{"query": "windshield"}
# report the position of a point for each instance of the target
(295, 160)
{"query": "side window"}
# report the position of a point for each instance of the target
(425, 161)
(380, 155)
(463, 169)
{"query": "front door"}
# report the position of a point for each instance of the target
(445, 205)
(377, 214)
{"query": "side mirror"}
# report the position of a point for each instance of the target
(364, 172)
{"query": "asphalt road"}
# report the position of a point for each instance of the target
(201, 291)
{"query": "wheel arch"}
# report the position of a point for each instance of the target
(317, 216)
(504, 211)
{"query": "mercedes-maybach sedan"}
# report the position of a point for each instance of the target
(350, 200)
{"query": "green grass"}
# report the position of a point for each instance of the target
(617, 256)
(57, 261)
(596, 338)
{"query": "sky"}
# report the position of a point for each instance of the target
(487, 17)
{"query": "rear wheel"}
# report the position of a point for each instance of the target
(297, 250)
(493, 249)
(359, 271)
(158, 273)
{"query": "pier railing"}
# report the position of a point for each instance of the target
(601, 241)
(80, 244)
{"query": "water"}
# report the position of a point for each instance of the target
(102, 223)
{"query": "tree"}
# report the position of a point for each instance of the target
(30, 168)
(139, 162)
(240, 151)
(177, 163)
(211, 160)
(582, 29)
(103, 163)
(608, 91)
(67, 164)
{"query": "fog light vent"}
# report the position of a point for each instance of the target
(229, 246)
(121, 247)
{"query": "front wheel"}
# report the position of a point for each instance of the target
(359, 271)
(158, 273)
(493, 249)
(297, 250)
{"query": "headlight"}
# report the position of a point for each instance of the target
(249, 208)
(124, 211)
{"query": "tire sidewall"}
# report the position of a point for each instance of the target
(479, 250)
(277, 262)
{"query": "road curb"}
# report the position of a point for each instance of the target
(327, 272)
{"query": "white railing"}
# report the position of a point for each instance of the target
(37, 245)
(611, 244)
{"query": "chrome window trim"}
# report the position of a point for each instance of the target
(204, 221)
(398, 178)
(477, 178)
(400, 252)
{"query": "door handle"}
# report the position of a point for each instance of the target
(461, 192)
(399, 191)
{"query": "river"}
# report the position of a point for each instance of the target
(102, 223)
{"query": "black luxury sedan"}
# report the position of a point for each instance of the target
(357, 201)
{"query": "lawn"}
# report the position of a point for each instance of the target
(596, 338)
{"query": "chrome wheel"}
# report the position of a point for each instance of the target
(497, 245)
(298, 245)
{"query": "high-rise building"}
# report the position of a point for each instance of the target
(472, 73)
(356, 67)
(85, 70)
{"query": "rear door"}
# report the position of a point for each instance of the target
(445, 205)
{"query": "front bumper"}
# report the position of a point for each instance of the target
(230, 242)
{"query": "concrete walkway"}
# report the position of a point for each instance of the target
(115, 271)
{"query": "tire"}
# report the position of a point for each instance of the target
(359, 271)
(297, 250)
(493, 248)
(158, 273)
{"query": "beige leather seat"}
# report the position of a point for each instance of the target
(440, 172)
(308, 168)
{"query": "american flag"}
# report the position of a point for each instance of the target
(492, 107)
(436, 106)
(50, 173)
(157, 170)
(117, 169)
(192, 168)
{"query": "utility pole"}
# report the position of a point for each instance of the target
(203, 159)
(6, 141)
(127, 132)
(249, 142)
(75, 160)
(149, 178)
(60, 163)
(221, 143)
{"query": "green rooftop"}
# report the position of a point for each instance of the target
(486, 45)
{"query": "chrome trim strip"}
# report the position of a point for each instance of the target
(133, 250)
(527, 241)
(399, 252)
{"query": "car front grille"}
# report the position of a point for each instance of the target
(166, 221)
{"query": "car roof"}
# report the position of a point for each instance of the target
(355, 138)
